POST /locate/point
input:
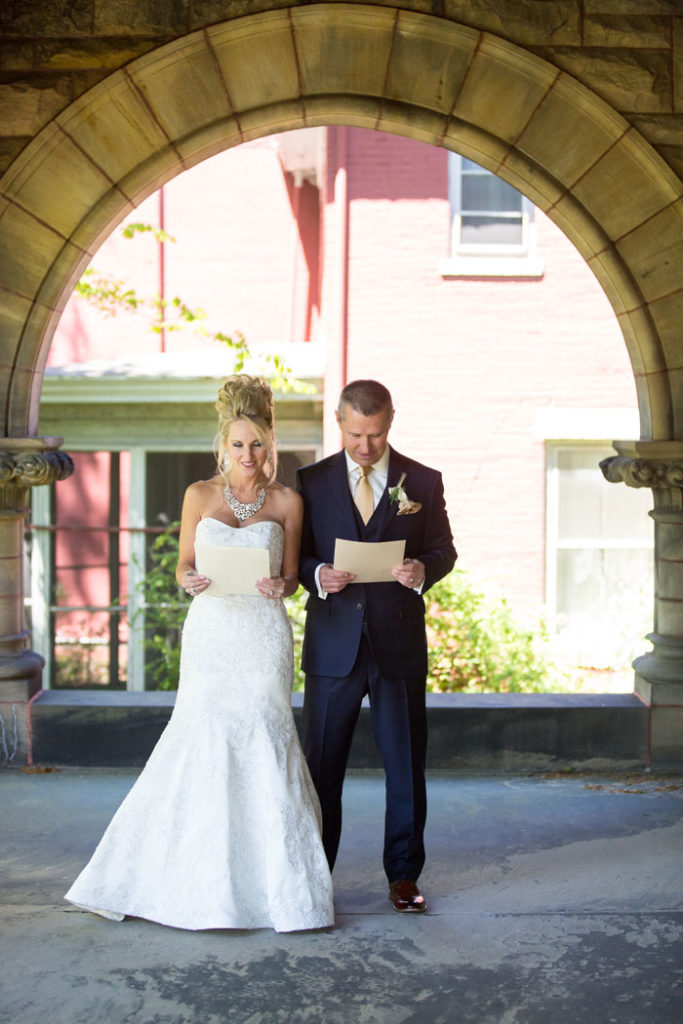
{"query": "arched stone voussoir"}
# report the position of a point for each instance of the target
(630, 167)
(183, 86)
(570, 130)
(429, 61)
(114, 125)
(343, 49)
(503, 88)
(257, 59)
(81, 181)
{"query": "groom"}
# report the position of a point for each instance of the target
(370, 638)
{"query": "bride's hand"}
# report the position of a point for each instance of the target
(273, 586)
(193, 583)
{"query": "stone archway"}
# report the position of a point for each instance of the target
(375, 67)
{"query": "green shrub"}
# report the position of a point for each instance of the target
(477, 646)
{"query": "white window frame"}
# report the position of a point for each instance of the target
(553, 542)
(496, 260)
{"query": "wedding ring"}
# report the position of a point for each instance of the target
(412, 579)
(192, 590)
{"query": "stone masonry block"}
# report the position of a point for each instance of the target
(530, 178)
(676, 385)
(113, 125)
(11, 575)
(641, 339)
(476, 143)
(677, 62)
(28, 247)
(28, 106)
(209, 141)
(49, 17)
(183, 86)
(428, 62)
(666, 737)
(578, 225)
(669, 576)
(89, 54)
(13, 312)
(357, 111)
(10, 148)
(633, 81)
(619, 286)
(401, 119)
(650, 7)
(346, 51)
(570, 130)
(654, 403)
(667, 316)
(16, 55)
(257, 60)
(31, 183)
(628, 166)
(144, 17)
(498, 69)
(654, 252)
(617, 30)
(557, 21)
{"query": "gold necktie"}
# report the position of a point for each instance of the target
(363, 496)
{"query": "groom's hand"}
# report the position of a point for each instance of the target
(410, 574)
(333, 580)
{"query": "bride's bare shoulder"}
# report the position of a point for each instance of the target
(286, 497)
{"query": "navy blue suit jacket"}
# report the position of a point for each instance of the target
(394, 614)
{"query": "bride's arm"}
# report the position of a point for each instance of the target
(186, 573)
(293, 519)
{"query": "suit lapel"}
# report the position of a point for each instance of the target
(339, 487)
(385, 511)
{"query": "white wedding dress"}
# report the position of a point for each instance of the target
(222, 827)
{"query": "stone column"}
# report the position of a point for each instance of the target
(24, 462)
(659, 674)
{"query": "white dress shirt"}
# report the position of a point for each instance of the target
(378, 481)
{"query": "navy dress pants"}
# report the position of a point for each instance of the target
(399, 724)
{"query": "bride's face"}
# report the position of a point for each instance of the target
(247, 453)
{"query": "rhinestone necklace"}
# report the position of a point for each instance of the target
(241, 510)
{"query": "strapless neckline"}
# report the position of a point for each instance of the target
(259, 522)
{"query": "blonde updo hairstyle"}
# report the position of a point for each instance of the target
(250, 399)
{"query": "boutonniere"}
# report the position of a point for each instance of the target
(398, 496)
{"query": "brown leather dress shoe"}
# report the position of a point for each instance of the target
(406, 897)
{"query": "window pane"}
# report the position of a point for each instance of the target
(604, 603)
(490, 231)
(486, 192)
(592, 508)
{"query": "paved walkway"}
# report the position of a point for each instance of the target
(553, 900)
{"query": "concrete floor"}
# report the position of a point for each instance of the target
(552, 900)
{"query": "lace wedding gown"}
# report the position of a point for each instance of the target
(222, 827)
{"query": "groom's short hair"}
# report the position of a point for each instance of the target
(368, 397)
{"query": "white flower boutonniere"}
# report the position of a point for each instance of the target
(397, 495)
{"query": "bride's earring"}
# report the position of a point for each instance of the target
(226, 464)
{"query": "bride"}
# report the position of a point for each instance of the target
(222, 827)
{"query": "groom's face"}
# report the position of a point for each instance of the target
(365, 437)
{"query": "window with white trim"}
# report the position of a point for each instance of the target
(492, 225)
(600, 561)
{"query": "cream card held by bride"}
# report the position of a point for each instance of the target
(231, 570)
(369, 562)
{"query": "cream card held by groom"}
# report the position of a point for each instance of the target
(369, 562)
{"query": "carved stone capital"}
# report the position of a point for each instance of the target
(637, 472)
(31, 469)
(29, 462)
